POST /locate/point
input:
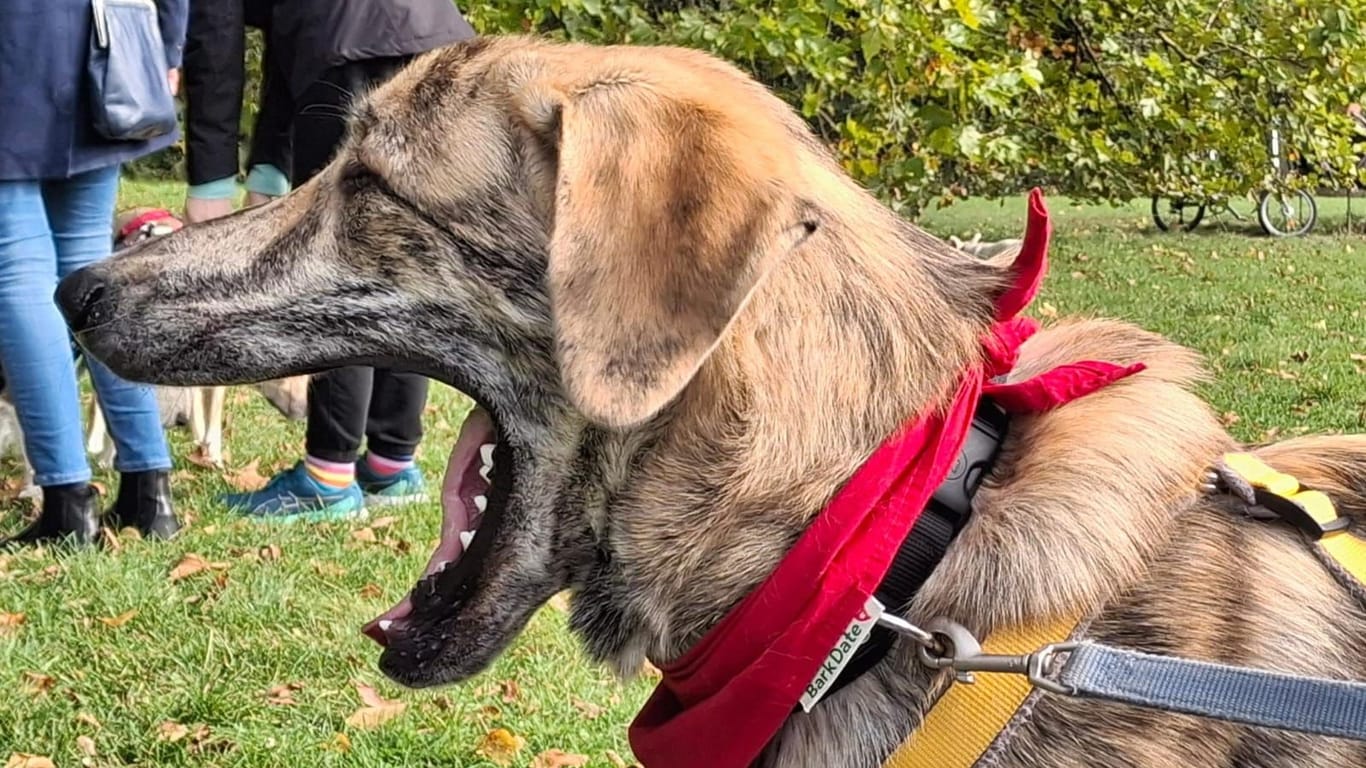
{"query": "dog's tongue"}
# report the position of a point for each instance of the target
(458, 488)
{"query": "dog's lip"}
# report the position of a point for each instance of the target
(456, 560)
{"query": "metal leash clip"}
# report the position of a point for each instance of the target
(945, 644)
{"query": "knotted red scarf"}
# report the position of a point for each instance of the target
(723, 700)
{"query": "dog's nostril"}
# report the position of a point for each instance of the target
(85, 299)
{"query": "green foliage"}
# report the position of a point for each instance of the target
(937, 99)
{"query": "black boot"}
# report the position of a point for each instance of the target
(144, 502)
(68, 511)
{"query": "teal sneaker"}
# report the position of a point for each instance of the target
(292, 496)
(403, 487)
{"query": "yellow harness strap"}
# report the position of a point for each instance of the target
(967, 719)
(1330, 531)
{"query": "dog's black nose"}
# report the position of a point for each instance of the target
(85, 298)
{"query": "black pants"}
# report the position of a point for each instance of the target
(344, 405)
(214, 81)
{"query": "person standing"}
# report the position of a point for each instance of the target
(58, 184)
(327, 51)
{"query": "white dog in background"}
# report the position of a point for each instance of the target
(987, 250)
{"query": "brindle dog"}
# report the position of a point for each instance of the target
(686, 327)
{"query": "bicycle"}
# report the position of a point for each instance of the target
(1280, 213)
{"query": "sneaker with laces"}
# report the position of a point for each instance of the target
(293, 496)
(405, 486)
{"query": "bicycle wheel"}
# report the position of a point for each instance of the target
(1287, 214)
(1177, 213)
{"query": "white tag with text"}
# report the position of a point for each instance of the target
(855, 635)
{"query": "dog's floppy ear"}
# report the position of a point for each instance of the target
(668, 213)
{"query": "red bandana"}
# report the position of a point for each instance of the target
(723, 700)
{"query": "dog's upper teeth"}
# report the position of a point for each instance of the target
(385, 624)
(481, 502)
(486, 454)
(484, 472)
(465, 538)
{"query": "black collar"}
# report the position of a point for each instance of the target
(949, 510)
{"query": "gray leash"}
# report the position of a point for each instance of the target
(1094, 671)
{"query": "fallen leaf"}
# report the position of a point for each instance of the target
(283, 695)
(192, 564)
(270, 553)
(1048, 310)
(25, 760)
(340, 742)
(588, 709)
(171, 732)
(371, 591)
(650, 671)
(331, 570)
(510, 691)
(366, 535)
(119, 620)
(615, 759)
(500, 746)
(248, 478)
(86, 718)
(9, 623)
(383, 522)
(197, 457)
(86, 745)
(1358, 358)
(111, 539)
(560, 602)
(554, 758)
(375, 710)
(37, 684)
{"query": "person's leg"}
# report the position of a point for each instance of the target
(269, 158)
(81, 210)
(214, 79)
(35, 352)
(393, 430)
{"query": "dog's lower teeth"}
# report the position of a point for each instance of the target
(484, 472)
(465, 538)
(481, 502)
(385, 624)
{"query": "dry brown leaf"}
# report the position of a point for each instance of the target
(615, 759)
(86, 745)
(88, 719)
(383, 522)
(270, 553)
(330, 570)
(371, 591)
(37, 684)
(197, 457)
(560, 602)
(111, 539)
(25, 760)
(510, 691)
(248, 478)
(500, 746)
(171, 732)
(9, 623)
(366, 535)
(192, 564)
(650, 671)
(283, 695)
(119, 620)
(588, 709)
(375, 710)
(555, 758)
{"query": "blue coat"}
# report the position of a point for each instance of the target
(45, 128)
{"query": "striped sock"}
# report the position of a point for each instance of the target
(383, 466)
(332, 474)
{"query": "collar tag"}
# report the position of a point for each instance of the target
(855, 635)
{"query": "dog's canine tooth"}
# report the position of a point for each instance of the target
(481, 502)
(465, 538)
(486, 454)
(385, 624)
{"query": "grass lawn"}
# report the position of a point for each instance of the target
(254, 659)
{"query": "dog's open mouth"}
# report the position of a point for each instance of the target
(465, 505)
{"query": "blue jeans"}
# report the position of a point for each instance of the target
(49, 229)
